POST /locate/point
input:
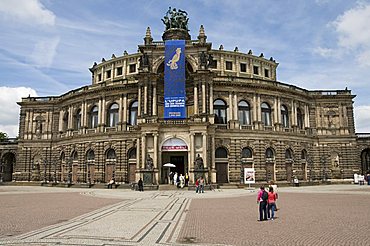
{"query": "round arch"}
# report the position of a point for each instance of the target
(7, 164)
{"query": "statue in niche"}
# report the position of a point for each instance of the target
(203, 59)
(149, 162)
(198, 163)
(144, 60)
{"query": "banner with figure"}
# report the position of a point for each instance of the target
(174, 80)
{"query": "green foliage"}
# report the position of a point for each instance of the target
(3, 136)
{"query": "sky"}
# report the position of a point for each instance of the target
(47, 46)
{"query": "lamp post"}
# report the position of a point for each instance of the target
(45, 171)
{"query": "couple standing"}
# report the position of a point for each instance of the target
(267, 202)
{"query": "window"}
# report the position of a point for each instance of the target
(99, 77)
(111, 154)
(288, 154)
(75, 156)
(244, 113)
(133, 113)
(119, 71)
(255, 70)
(266, 114)
(132, 68)
(221, 152)
(269, 153)
(90, 156)
(213, 64)
(243, 67)
(267, 73)
(93, 119)
(304, 154)
(63, 157)
(108, 74)
(300, 117)
(246, 153)
(219, 109)
(113, 115)
(284, 116)
(78, 118)
(229, 65)
(65, 121)
(132, 153)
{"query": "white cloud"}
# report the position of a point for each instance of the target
(27, 11)
(327, 52)
(9, 110)
(44, 52)
(362, 118)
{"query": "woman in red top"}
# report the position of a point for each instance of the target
(271, 202)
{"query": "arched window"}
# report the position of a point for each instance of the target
(219, 109)
(300, 117)
(244, 113)
(78, 118)
(93, 117)
(247, 153)
(132, 153)
(65, 121)
(63, 157)
(284, 116)
(266, 114)
(304, 154)
(288, 154)
(75, 156)
(133, 113)
(221, 152)
(111, 154)
(113, 115)
(90, 155)
(39, 121)
(269, 153)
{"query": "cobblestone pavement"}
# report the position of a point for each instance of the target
(318, 215)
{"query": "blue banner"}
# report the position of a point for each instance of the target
(174, 80)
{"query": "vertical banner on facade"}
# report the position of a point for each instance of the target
(174, 80)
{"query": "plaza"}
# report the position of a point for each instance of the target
(311, 215)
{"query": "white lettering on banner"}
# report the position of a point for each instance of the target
(174, 103)
(174, 147)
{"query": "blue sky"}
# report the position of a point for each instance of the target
(47, 46)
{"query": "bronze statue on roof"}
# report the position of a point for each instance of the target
(176, 19)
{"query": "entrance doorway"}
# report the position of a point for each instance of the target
(179, 162)
(178, 158)
(6, 166)
(221, 175)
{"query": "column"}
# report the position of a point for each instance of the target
(113, 72)
(137, 153)
(276, 108)
(100, 112)
(70, 117)
(82, 114)
(196, 99)
(235, 107)
(204, 142)
(155, 155)
(255, 108)
(211, 99)
(306, 121)
(154, 100)
(203, 97)
(125, 108)
(120, 109)
(145, 102)
(293, 118)
(124, 68)
(103, 112)
(229, 109)
(192, 153)
(143, 148)
(85, 116)
(258, 107)
(60, 128)
(139, 101)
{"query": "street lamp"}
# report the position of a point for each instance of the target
(45, 171)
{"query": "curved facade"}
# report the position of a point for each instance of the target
(238, 116)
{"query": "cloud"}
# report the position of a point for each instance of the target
(9, 110)
(44, 52)
(362, 118)
(27, 12)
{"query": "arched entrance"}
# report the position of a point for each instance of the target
(7, 164)
(175, 151)
(222, 167)
(365, 161)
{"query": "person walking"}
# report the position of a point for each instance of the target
(182, 181)
(274, 186)
(271, 203)
(140, 184)
(262, 198)
(186, 179)
(175, 179)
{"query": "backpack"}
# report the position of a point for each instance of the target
(265, 196)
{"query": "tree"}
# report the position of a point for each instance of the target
(3, 136)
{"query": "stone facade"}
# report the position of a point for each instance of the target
(238, 115)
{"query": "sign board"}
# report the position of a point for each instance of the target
(174, 80)
(249, 176)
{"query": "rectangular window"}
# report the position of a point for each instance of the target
(132, 68)
(213, 64)
(243, 67)
(119, 71)
(255, 70)
(229, 65)
(267, 74)
(109, 74)
(99, 77)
